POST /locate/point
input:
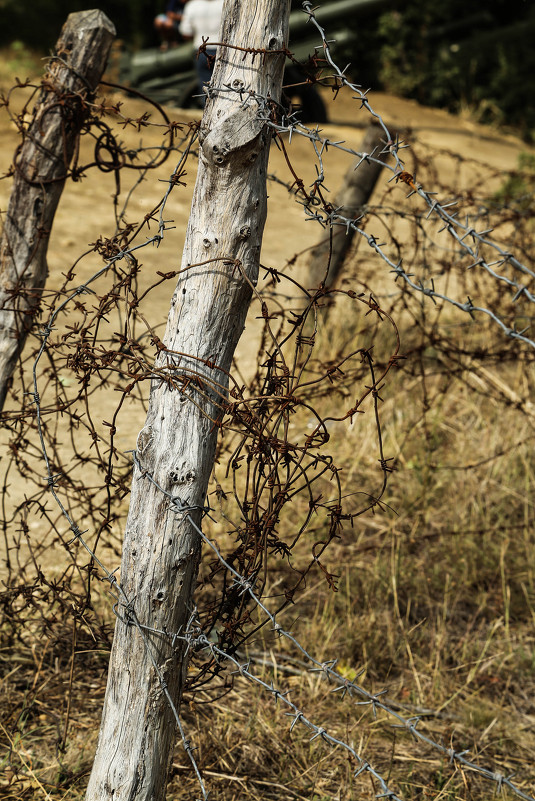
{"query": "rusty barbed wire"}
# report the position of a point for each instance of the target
(196, 640)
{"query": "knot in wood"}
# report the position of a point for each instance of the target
(238, 134)
(144, 440)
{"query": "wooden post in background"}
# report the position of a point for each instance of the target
(352, 198)
(41, 167)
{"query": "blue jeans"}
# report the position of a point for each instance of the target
(205, 66)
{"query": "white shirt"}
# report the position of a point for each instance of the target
(202, 18)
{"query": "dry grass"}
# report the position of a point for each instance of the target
(435, 602)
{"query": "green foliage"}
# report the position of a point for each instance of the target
(39, 23)
(455, 55)
(19, 60)
(518, 189)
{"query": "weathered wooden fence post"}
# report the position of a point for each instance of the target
(175, 449)
(354, 194)
(41, 168)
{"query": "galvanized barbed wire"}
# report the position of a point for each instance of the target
(324, 668)
(328, 217)
(317, 209)
(299, 717)
(458, 230)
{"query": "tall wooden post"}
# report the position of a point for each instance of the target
(41, 168)
(176, 446)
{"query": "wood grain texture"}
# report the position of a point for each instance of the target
(41, 167)
(176, 446)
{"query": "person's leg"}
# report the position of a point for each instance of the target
(205, 66)
(167, 30)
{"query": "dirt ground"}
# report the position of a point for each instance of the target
(85, 211)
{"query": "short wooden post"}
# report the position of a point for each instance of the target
(41, 168)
